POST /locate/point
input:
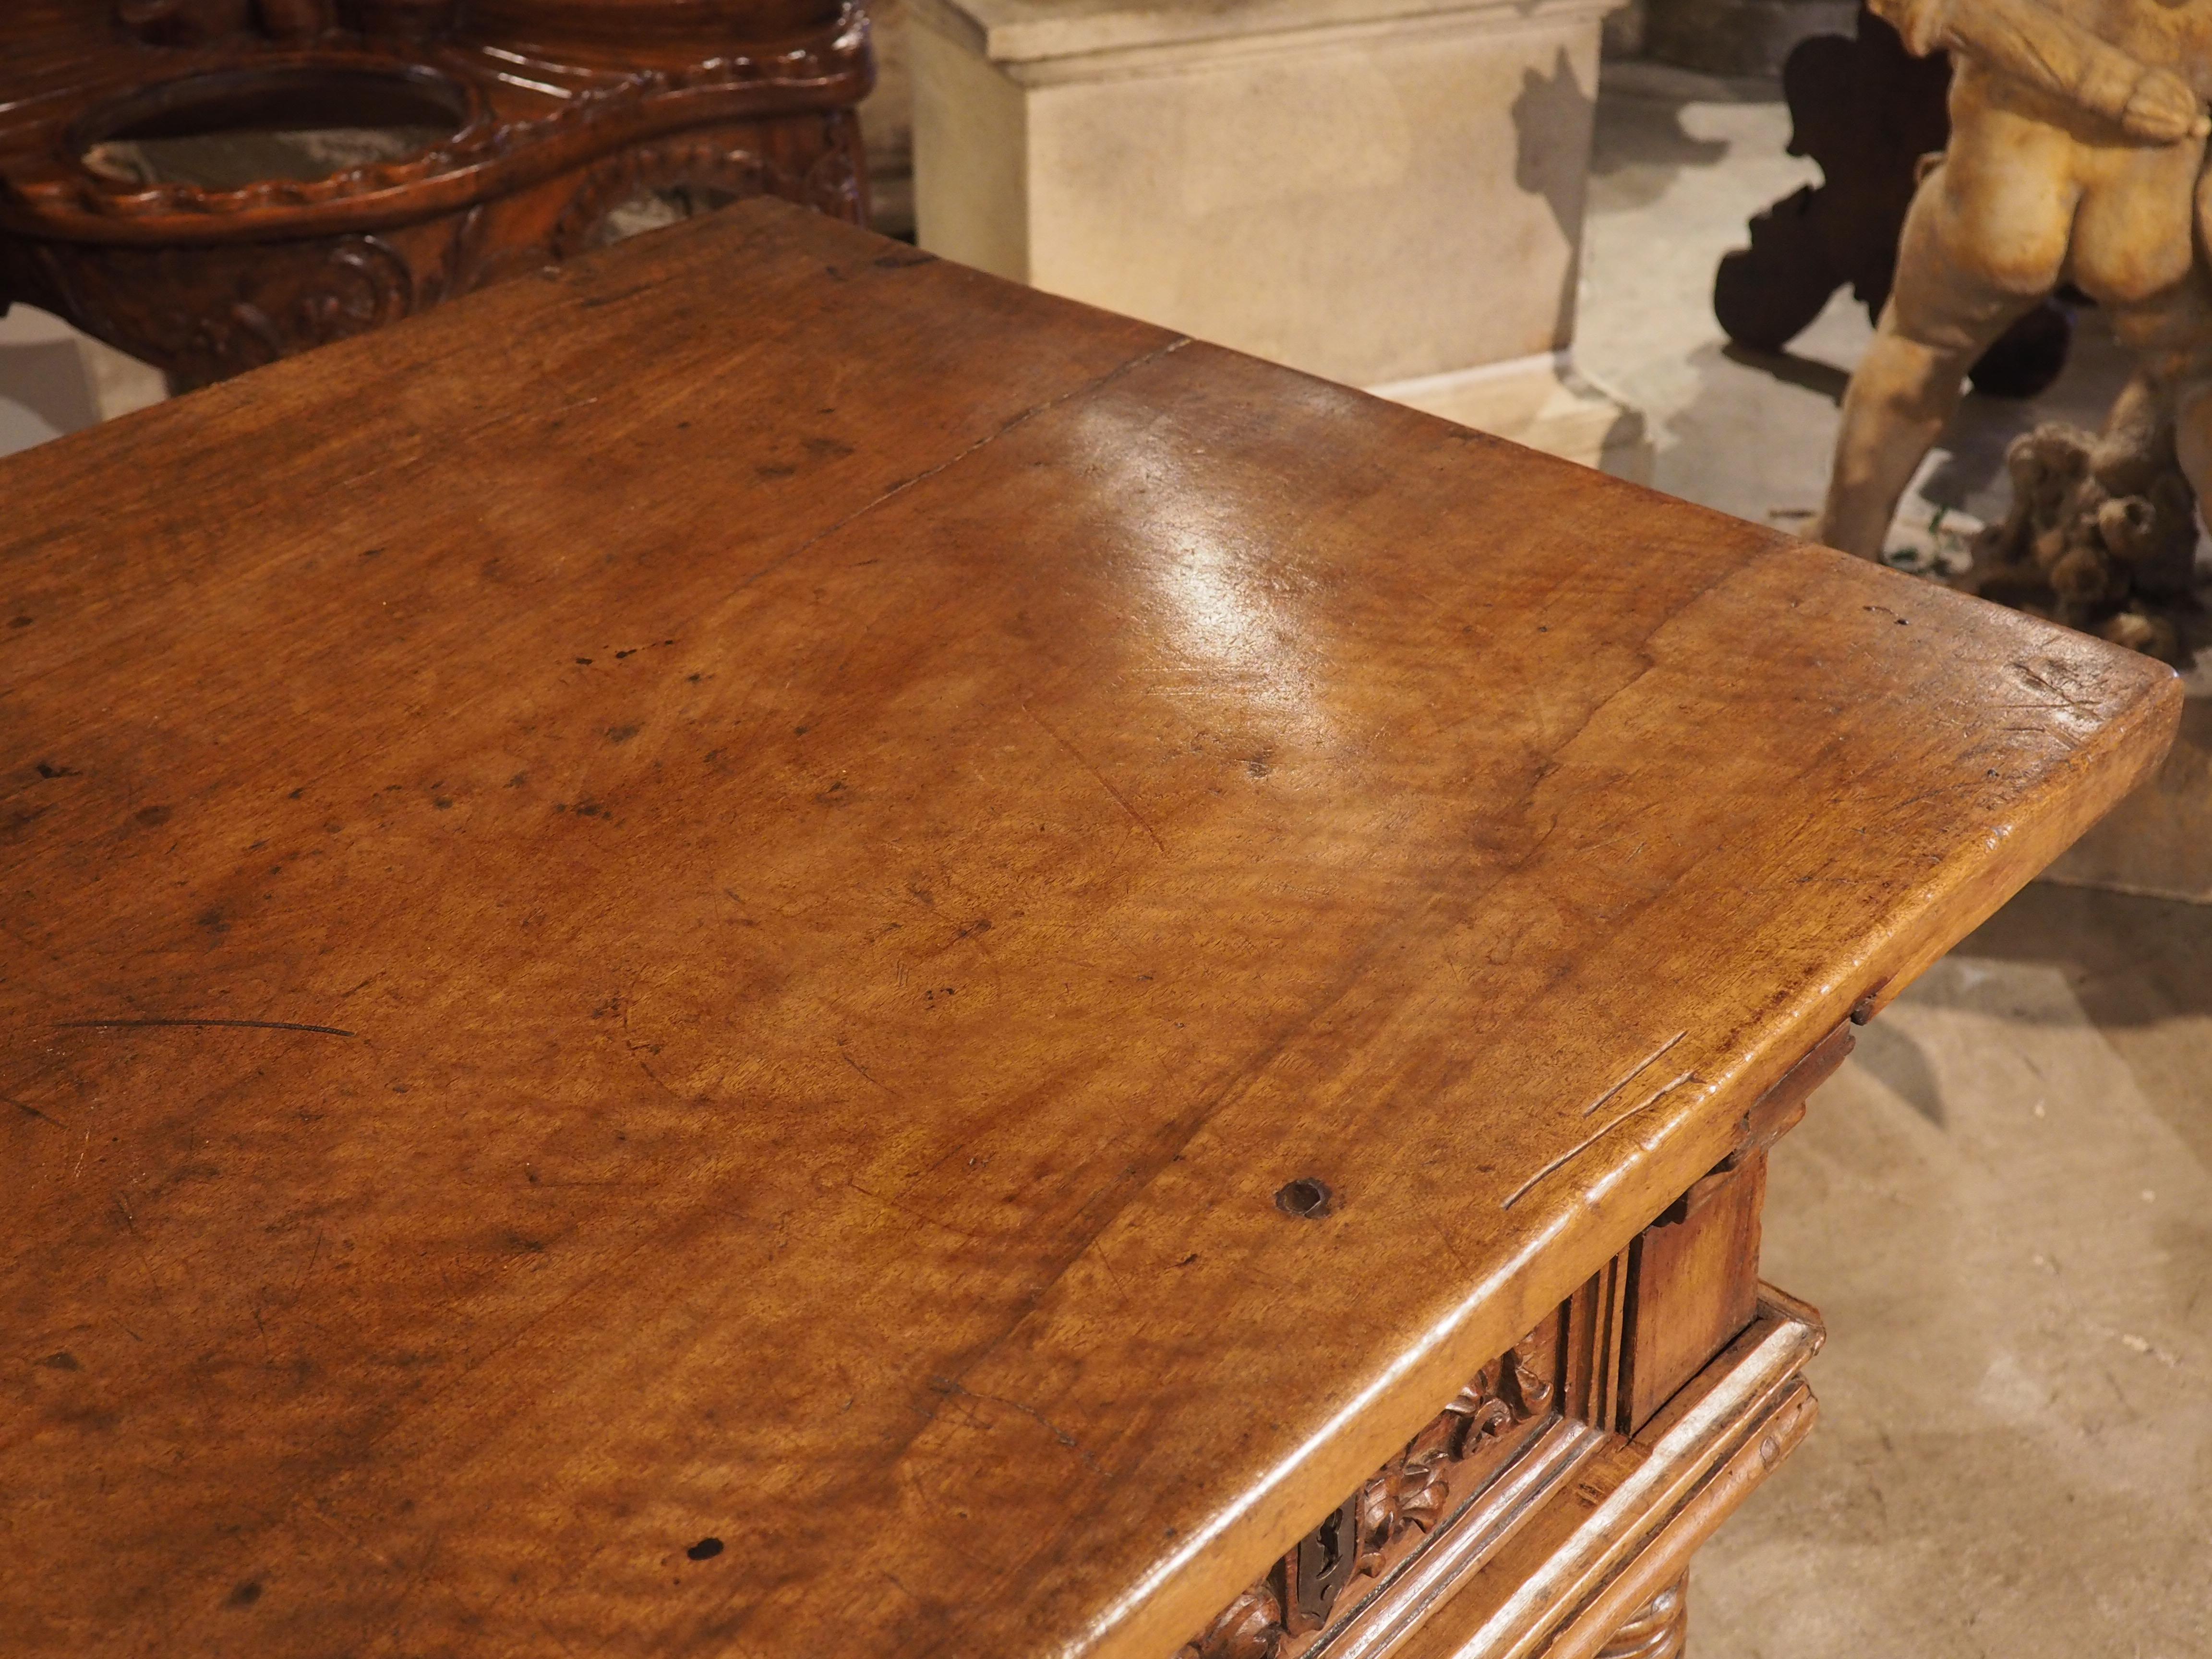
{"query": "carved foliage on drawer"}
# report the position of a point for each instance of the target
(1409, 1495)
(1250, 1627)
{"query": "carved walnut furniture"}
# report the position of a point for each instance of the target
(551, 115)
(947, 975)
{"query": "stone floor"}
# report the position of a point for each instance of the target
(2004, 1203)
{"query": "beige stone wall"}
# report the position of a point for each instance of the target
(1386, 193)
(1371, 202)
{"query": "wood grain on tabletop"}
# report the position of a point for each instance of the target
(851, 825)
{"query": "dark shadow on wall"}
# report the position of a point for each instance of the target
(1638, 145)
(1551, 123)
(1553, 119)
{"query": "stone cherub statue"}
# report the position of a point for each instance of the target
(2077, 154)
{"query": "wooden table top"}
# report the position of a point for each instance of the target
(707, 898)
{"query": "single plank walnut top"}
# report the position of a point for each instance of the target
(709, 897)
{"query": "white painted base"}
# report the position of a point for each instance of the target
(1541, 401)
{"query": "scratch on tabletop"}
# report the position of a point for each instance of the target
(149, 1024)
(1120, 800)
(22, 1106)
(2056, 690)
(912, 1214)
(857, 1066)
(1104, 1260)
(1635, 1071)
(1584, 1145)
(952, 1390)
(139, 1247)
(351, 1538)
(638, 1051)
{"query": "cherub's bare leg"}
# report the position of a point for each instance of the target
(1978, 249)
(1902, 396)
(2171, 338)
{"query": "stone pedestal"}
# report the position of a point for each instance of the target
(1386, 193)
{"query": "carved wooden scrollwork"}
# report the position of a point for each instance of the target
(698, 177)
(194, 22)
(1411, 1493)
(503, 153)
(1250, 1627)
(833, 184)
(498, 157)
(190, 22)
(280, 302)
(712, 174)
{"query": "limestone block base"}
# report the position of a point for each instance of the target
(2158, 841)
(1371, 191)
(1540, 401)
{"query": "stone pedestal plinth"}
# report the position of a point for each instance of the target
(1388, 193)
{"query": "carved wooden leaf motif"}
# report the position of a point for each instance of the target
(1411, 1492)
(1250, 1627)
(1522, 1387)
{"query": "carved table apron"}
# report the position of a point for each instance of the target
(1553, 1505)
(897, 968)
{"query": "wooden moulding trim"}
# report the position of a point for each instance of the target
(1772, 1438)
(1722, 1417)
(1431, 1576)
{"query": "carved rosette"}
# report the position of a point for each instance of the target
(1411, 1493)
